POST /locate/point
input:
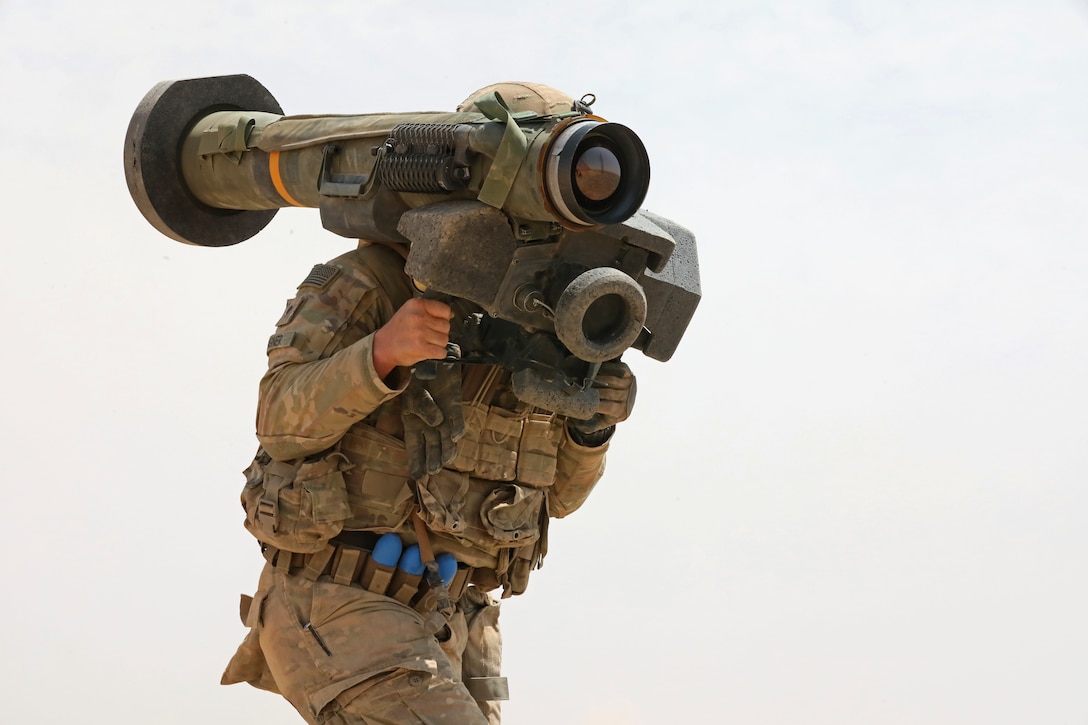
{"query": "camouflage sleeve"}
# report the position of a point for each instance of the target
(578, 469)
(321, 378)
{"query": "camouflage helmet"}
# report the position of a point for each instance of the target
(520, 96)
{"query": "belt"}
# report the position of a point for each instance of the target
(350, 565)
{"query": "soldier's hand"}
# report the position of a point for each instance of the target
(616, 386)
(417, 331)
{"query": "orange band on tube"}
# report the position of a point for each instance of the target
(277, 180)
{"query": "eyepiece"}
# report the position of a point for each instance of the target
(600, 314)
(596, 173)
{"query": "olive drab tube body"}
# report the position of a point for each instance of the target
(232, 179)
(284, 157)
(243, 160)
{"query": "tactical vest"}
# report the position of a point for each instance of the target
(487, 506)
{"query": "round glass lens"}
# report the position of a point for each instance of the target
(597, 173)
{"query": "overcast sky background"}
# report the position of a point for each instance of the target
(855, 495)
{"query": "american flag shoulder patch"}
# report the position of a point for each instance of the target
(320, 275)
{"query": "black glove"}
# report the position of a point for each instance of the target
(616, 386)
(433, 419)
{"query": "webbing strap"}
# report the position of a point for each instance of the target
(350, 561)
(283, 561)
(511, 153)
(433, 578)
(315, 567)
(268, 510)
(426, 553)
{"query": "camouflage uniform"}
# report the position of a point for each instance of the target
(339, 652)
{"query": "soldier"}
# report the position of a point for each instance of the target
(361, 460)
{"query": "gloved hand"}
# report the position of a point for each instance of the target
(615, 383)
(433, 419)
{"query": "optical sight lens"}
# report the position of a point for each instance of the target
(597, 173)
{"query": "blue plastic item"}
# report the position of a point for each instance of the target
(410, 562)
(387, 550)
(447, 567)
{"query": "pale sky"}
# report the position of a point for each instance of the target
(857, 494)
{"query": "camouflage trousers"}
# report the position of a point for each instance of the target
(342, 655)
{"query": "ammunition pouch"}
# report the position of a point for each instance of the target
(503, 445)
(296, 505)
(539, 448)
(351, 566)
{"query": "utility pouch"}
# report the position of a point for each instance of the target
(376, 577)
(379, 496)
(296, 505)
(520, 568)
(482, 513)
(497, 457)
(491, 444)
(503, 445)
(514, 564)
(539, 449)
(511, 514)
(404, 586)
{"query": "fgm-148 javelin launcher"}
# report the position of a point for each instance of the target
(533, 218)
